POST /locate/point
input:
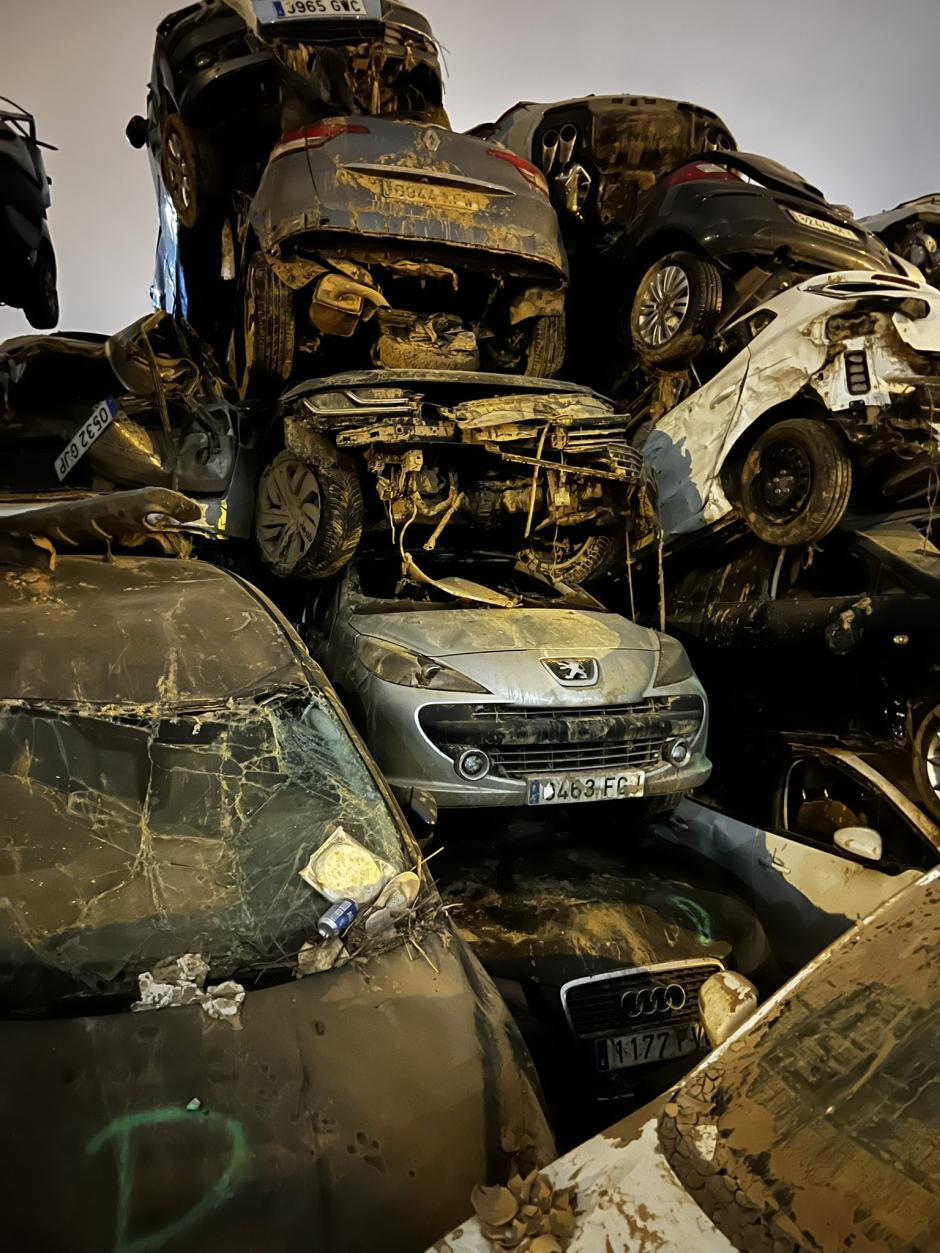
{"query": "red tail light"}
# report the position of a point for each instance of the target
(531, 173)
(703, 171)
(315, 136)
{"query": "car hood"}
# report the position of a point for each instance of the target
(277, 1135)
(464, 632)
(580, 912)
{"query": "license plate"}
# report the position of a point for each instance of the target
(101, 418)
(656, 1045)
(574, 789)
(268, 11)
(431, 195)
(820, 224)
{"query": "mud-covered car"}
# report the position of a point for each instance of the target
(368, 232)
(214, 1076)
(229, 77)
(810, 1128)
(544, 470)
(27, 257)
(912, 230)
(830, 398)
(482, 686)
(856, 618)
(83, 413)
(599, 946)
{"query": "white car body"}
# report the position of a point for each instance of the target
(688, 448)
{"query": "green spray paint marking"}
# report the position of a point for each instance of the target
(700, 920)
(122, 1131)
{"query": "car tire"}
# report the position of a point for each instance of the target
(41, 300)
(308, 517)
(675, 309)
(189, 171)
(581, 562)
(545, 354)
(795, 482)
(926, 760)
(268, 330)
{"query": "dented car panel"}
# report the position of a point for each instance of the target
(167, 793)
(802, 353)
(825, 1083)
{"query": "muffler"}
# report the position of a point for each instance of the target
(549, 150)
(567, 139)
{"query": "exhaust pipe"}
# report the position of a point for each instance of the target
(549, 150)
(567, 138)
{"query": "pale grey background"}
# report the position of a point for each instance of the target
(845, 91)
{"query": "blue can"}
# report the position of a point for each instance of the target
(337, 919)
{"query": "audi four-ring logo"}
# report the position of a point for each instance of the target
(645, 1002)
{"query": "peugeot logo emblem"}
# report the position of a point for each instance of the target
(573, 671)
(647, 1002)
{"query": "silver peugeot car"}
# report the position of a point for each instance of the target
(500, 688)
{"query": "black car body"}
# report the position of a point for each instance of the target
(912, 230)
(170, 757)
(27, 257)
(840, 638)
(575, 933)
(145, 407)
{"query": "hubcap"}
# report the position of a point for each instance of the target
(289, 511)
(664, 305)
(932, 760)
(178, 174)
(784, 481)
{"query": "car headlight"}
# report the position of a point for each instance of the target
(674, 665)
(408, 669)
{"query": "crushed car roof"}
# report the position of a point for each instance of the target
(144, 631)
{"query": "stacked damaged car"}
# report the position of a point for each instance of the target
(466, 646)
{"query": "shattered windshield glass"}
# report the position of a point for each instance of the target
(131, 839)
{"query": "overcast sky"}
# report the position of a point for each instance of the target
(845, 91)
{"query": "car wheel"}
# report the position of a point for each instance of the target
(795, 483)
(546, 352)
(926, 761)
(268, 330)
(189, 172)
(577, 561)
(675, 310)
(308, 518)
(41, 301)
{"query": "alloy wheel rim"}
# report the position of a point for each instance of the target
(664, 305)
(932, 760)
(178, 172)
(290, 510)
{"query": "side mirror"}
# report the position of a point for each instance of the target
(860, 842)
(725, 1001)
(136, 131)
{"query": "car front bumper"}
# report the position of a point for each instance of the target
(412, 761)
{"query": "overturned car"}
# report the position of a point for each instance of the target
(544, 468)
(831, 397)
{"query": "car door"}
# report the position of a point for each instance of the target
(806, 890)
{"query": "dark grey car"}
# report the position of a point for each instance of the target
(170, 758)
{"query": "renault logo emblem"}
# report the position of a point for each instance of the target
(653, 1001)
(573, 671)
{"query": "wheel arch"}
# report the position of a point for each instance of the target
(799, 406)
